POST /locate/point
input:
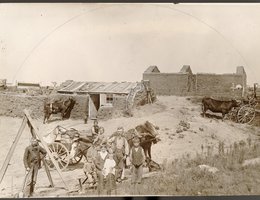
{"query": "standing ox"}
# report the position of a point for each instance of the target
(218, 106)
(58, 106)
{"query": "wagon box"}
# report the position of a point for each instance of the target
(60, 142)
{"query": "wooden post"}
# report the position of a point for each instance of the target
(48, 172)
(11, 151)
(149, 97)
(80, 185)
(35, 130)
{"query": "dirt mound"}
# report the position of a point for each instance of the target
(149, 109)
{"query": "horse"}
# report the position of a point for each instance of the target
(146, 141)
(148, 135)
(58, 106)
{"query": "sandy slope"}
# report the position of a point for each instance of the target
(165, 113)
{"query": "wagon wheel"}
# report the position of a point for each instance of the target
(76, 159)
(60, 154)
(246, 114)
(252, 101)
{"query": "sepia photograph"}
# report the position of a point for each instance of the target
(120, 99)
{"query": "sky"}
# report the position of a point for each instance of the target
(117, 42)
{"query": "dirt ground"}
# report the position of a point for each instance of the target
(166, 113)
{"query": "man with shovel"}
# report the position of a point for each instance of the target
(32, 161)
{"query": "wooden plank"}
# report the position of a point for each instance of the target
(27, 114)
(11, 151)
(47, 172)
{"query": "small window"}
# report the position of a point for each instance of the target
(109, 99)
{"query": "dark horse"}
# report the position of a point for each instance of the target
(58, 106)
(148, 136)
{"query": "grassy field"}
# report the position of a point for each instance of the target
(184, 177)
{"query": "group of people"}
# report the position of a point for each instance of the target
(103, 169)
(106, 167)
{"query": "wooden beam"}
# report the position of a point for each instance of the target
(11, 151)
(36, 132)
(47, 172)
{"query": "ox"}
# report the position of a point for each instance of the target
(218, 106)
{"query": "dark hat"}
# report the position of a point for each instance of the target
(103, 145)
(136, 139)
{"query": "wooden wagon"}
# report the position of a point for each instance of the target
(247, 109)
(60, 142)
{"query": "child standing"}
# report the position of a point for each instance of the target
(90, 170)
(109, 173)
(137, 159)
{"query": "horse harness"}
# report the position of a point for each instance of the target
(141, 142)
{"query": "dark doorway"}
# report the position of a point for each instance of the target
(96, 100)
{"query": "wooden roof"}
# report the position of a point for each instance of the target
(98, 87)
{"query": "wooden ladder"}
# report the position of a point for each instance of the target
(131, 96)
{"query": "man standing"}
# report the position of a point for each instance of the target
(121, 151)
(99, 162)
(32, 159)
